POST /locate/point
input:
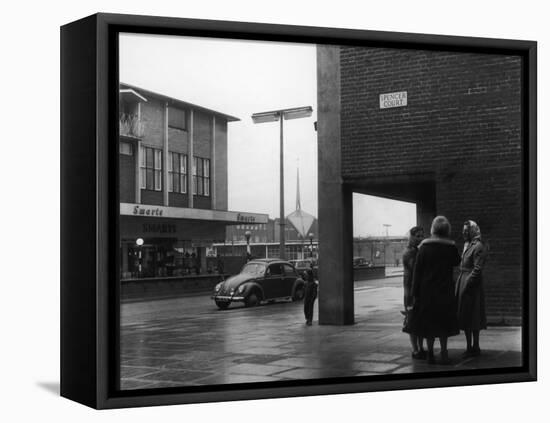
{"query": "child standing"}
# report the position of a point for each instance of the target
(310, 295)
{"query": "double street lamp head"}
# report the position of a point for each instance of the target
(275, 115)
(279, 116)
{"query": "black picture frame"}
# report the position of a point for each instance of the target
(89, 209)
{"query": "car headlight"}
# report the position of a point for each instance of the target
(218, 287)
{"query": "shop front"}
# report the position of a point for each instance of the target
(165, 242)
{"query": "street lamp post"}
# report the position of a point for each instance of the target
(274, 116)
(247, 236)
(386, 225)
(311, 244)
(139, 243)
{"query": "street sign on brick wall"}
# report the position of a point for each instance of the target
(389, 100)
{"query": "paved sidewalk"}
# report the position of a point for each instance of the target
(185, 342)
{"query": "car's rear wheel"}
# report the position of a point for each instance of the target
(222, 305)
(252, 300)
(299, 293)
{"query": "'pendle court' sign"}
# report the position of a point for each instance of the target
(398, 99)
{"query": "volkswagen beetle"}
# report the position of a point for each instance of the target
(260, 280)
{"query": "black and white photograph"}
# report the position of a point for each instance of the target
(294, 211)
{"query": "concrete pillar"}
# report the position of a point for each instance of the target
(335, 200)
(165, 157)
(137, 172)
(213, 166)
(138, 161)
(190, 160)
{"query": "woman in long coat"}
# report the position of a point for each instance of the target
(416, 235)
(469, 288)
(434, 311)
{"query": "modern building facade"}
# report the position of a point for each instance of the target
(173, 184)
(264, 240)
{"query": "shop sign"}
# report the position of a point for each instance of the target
(246, 218)
(140, 210)
(159, 228)
(397, 99)
(147, 211)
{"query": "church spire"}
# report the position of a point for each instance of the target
(298, 205)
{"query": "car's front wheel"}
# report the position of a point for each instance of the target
(222, 305)
(252, 299)
(299, 293)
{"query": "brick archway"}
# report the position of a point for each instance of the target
(454, 148)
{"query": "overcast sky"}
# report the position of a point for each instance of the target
(240, 78)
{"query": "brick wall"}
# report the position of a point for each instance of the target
(127, 176)
(202, 147)
(462, 126)
(152, 117)
(151, 197)
(202, 135)
(220, 165)
(201, 202)
(176, 199)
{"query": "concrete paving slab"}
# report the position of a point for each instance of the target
(162, 346)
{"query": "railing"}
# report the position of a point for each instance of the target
(130, 125)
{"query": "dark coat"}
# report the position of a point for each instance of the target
(434, 310)
(310, 294)
(409, 258)
(469, 287)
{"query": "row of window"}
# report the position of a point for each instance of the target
(253, 239)
(259, 227)
(150, 175)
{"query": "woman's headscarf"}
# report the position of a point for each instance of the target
(473, 229)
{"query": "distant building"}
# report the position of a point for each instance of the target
(381, 250)
(264, 237)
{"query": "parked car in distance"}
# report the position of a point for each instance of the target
(301, 265)
(260, 280)
(361, 262)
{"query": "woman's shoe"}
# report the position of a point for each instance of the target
(445, 360)
(475, 352)
(419, 355)
(467, 353)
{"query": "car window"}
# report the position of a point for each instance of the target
(254, 269)
(289, 270)
(275, 269)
